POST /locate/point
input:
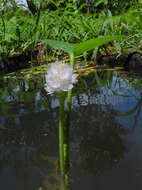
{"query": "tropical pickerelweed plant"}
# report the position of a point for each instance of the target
(60, 78)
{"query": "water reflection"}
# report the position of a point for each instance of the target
(99, 141)
(106, 109)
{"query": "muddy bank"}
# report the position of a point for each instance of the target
(129, 60)
(17, 62)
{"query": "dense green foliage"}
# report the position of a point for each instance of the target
(24, 29)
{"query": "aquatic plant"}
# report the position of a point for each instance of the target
(59, 77)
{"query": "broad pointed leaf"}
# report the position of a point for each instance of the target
(67, 47)
(80, 48)
(93, 43)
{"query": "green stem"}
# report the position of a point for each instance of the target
(66, 132)
(64, 183)
(67, 123)
(61, 133)
(72, 60)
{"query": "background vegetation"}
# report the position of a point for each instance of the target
(25, 28)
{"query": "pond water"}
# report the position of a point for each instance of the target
(105, 133)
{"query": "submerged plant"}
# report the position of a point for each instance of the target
(59, 77)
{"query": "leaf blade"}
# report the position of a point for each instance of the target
(67, 47)
(93, 43)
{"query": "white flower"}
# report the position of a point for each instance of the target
(59, 77)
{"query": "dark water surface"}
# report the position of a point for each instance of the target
(105, 133)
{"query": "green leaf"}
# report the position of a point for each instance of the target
(67, 47)
(80, 48)
(93, 43)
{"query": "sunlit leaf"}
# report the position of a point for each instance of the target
(80, 48)
(67, 47)
(93, 43)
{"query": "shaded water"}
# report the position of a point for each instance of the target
(105, 133)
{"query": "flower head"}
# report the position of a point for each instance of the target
(59, 77)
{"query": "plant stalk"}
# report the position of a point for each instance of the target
(67, 123)
(61, 133)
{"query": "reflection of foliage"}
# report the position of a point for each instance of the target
(30, 129)
(25, 167)
(30, 146)
(26, 87)
(137, 84)
(27, 123)
(90, 85)
(136, 109)
(100, 138)
(22, 89)
(135, 80)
